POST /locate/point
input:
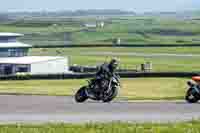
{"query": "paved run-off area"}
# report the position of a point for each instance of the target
(42, 109)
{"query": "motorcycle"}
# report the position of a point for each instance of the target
(193, 93)
(104, 91)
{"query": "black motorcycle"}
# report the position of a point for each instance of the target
(104, 91)
(193, 93)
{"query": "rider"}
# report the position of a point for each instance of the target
(106, 71)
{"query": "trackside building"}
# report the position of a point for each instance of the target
(14, 58)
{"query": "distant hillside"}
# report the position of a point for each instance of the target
(72, 13)
(189, 13)
(4, 17)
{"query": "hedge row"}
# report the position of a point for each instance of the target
(91, 75)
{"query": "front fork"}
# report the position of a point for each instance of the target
(109, 86)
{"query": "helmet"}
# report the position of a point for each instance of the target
(114, 63)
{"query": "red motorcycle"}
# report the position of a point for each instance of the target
(193, 93)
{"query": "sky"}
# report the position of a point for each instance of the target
(130, 5)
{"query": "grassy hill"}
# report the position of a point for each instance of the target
(131, 30)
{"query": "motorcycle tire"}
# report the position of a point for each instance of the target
(190, 98)
(111, 96)
(81, 95)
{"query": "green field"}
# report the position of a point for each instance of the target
(90, 56)
(132, 89)
(131, 30)
(143, 31)
(116, 127)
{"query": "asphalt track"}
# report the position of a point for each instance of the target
(45, 109)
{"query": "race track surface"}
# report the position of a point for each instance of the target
(42, 109)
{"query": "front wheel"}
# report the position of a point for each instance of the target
(190, 97)
(81, 95)
(112, 94)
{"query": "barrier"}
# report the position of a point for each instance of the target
(91, 75)
(112, 45)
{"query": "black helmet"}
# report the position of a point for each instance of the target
(114, 63)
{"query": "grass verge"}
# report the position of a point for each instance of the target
(115, 127)
(133, 89)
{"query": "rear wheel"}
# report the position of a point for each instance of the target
(81, 95)
(190, 96)
(113, 93)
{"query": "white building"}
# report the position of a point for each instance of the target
(14, 59)
(91, 25)
(95, 25)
